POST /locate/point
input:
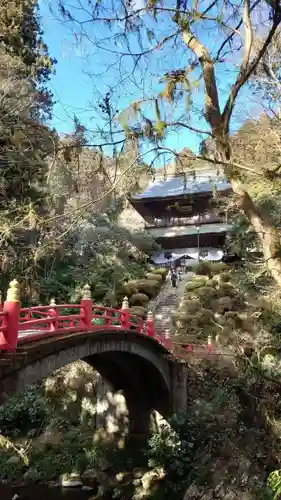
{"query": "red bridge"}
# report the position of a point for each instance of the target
(21, 326)
(128, 352)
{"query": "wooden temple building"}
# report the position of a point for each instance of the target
(180, 212)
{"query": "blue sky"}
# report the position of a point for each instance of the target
(77, 93)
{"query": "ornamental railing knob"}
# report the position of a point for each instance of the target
(125, 303)
(13, 292)
(86, 293)
(150, 316)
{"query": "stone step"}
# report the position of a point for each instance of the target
(167, 303)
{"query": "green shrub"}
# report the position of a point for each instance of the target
(24, 411)
(204, 317)
(101, 320)
(183, 319)
(274, 483)
(138, 310)
(201, 281)
(163, 271)
(226, 289)
(223, 304)
(149, 287)
(219, 267)
(192, 285)
(206, 294)
(154, 277)
(203, 268)
(225, 277)
(131, 287)
(189, 305)
(98, 321)
(211, 283)
(191, 295)
(210, 268)
(200, 278)
(139, 299)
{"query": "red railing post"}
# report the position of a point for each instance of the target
(150, 329)
(124, 314)
(108, 318)
(11, 307)
(54, 314)
(210, 344)
(87, 307)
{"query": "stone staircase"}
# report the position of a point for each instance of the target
(167, 302)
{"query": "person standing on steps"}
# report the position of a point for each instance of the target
(179, 273)
(174, 278)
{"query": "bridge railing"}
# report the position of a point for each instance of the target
(22, 325)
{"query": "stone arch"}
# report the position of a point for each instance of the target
(128, 361)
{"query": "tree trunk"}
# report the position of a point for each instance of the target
(268, 236)
(219, 124)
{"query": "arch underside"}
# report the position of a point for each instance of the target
(128, 361)
(138, 378)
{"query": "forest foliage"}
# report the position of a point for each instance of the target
(60, 199)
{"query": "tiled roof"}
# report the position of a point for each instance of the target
(204, 182)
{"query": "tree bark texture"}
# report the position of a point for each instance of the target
(219, 120)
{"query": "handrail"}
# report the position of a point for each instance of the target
(19, 326)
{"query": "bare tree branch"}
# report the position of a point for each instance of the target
(245, 72)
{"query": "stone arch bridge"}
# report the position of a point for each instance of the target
(127, 352)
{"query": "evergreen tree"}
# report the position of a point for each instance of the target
(25, 140)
